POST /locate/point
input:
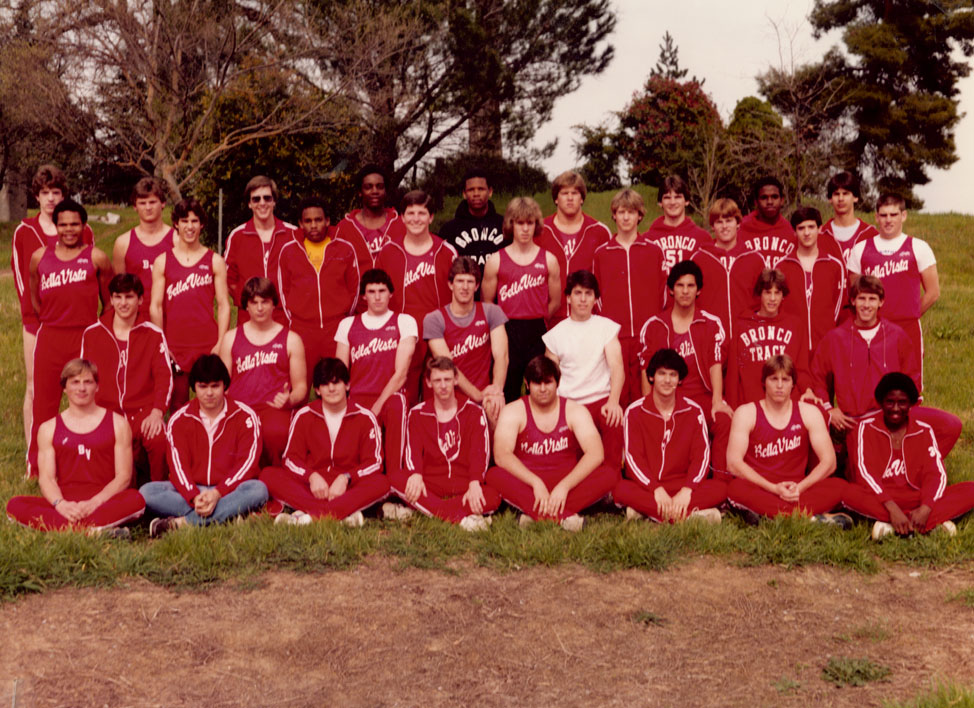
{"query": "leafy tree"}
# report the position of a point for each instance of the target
(435, 67)
(904, 59)
(665, 129)
(599, 149)
(668, 64)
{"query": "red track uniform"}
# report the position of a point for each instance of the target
(371, 363)
(829, 242)
(69, 303)
(84, 463)
(247, 256)
(911, 477)
(817, 297)
(469, 346)
(782, 456)
(368, 242)
(672, 453)
(187, 306)
(449, 456)
(552, 456)
(573, 252)
(27, 238)
(701, 347)
(421, 286)
(756, 340)
(728, 282)
(773, 241)
(633, 286)
(317, 300)
(224, 460)
(522, 293)
(900, 273)
(257, 374)
(355, 451)
(678, 243)
(138, 261)
(134, 378)
(847, 366)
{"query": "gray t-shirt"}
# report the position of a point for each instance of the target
(434, 325)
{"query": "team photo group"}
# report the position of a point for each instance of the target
(552, 364)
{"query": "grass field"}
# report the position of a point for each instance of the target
(34, 562)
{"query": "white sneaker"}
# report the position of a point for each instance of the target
(573, 523)
(355, 521)
(524, 521)
(474, 522)
(396, 512)
(711, 515)
(632, 514)
(301, 518)
(283, 518)
(880, 529)
(949, 527)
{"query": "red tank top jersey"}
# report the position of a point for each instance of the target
(692, 386)
(68, 290)
(258, 371)
(778, 455)
(470, 346)
(372, 355)
(900, 276)
(139, 259)
(85, 462)
(188, 306)
(522, 291)
(550, 453)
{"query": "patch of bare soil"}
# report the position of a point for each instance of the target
(709, 634)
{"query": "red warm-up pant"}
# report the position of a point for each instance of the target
(392, 420)
(719, 431)
(275, 423)
(600, 482)
(820, 498)
(287, 487)
(55, 347)
(38, 513)
(957, 500)
(707, 494)
(150, 450)
(444, 496)
(319, 343)
(612, 437)
(631, 389)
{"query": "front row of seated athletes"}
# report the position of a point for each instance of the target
(548, 457)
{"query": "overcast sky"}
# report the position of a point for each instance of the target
(728, 44)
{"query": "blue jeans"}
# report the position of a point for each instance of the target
(162, 499)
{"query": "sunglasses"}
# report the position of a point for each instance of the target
(258, 198)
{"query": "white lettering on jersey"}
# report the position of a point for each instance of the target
(470, 343)
(778, 447)
(896, 468)
(84, 451)
(190, 282)
(423, 270)
(888, 268)
(63, 277)
(546, 446)
(252, 361)
(525, 282)
(373, 346)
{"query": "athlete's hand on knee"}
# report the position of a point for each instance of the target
(540, 497)
(788, 491)
(86, 508)
(919, 517)
(205, 502)
(474, 498)
(681, 503)
(319, 487)
(152, 423)
(69, 510)
(415, 487)
(556, 500)
(664, 503)
(338, 487)
(900, 521)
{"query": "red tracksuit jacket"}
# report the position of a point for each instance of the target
(318, 299)
(678, 243)
(773, 241)
(592, 235)
(816, 300)
(632, 282)
(844, 365)
(827, 242)
(706, 333)
(247, 257)
(871, 451)
(728, 282)
(661, 452)
(224, 461)
(355, 451)
(434, 454)
(349, 229)
(145, 381)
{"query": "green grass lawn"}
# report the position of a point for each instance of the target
(31, 561)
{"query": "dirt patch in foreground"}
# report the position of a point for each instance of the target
(709, 634)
